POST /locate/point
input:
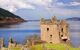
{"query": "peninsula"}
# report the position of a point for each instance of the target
(7, 17)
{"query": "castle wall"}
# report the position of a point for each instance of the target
(50, 33)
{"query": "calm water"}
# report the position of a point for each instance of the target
(19, 32)
(74, 32)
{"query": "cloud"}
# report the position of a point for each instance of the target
(75, 3)
(13, 5)
(40, 2)
(63, 12)
(51, 6)
(60, 4)
(68, 4)
(58, 9)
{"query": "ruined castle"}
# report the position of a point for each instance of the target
(1, 42)
(54, 31)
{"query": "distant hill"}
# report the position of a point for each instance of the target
(74, 18)
(8, 17)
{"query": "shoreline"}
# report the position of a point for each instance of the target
(11, 23)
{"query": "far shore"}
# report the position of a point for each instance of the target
(11, 23)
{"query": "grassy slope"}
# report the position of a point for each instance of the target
(53, 47)
(14, 48)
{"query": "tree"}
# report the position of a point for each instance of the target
(11, 40)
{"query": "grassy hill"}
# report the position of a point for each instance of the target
(8, 17)
(4, 13)
(53, 47)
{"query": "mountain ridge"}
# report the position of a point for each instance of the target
(74, 18)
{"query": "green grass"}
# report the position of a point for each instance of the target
(15, 48)
(53, 47)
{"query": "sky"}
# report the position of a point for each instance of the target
(36, 9)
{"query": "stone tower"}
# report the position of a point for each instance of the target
(53, 31)
(64, 32)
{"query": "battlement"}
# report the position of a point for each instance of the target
(53, 20)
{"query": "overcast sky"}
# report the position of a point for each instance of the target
(35, 9)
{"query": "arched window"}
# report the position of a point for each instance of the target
(62, 30)
(47, 29)
(50, 36)
(61, 35)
